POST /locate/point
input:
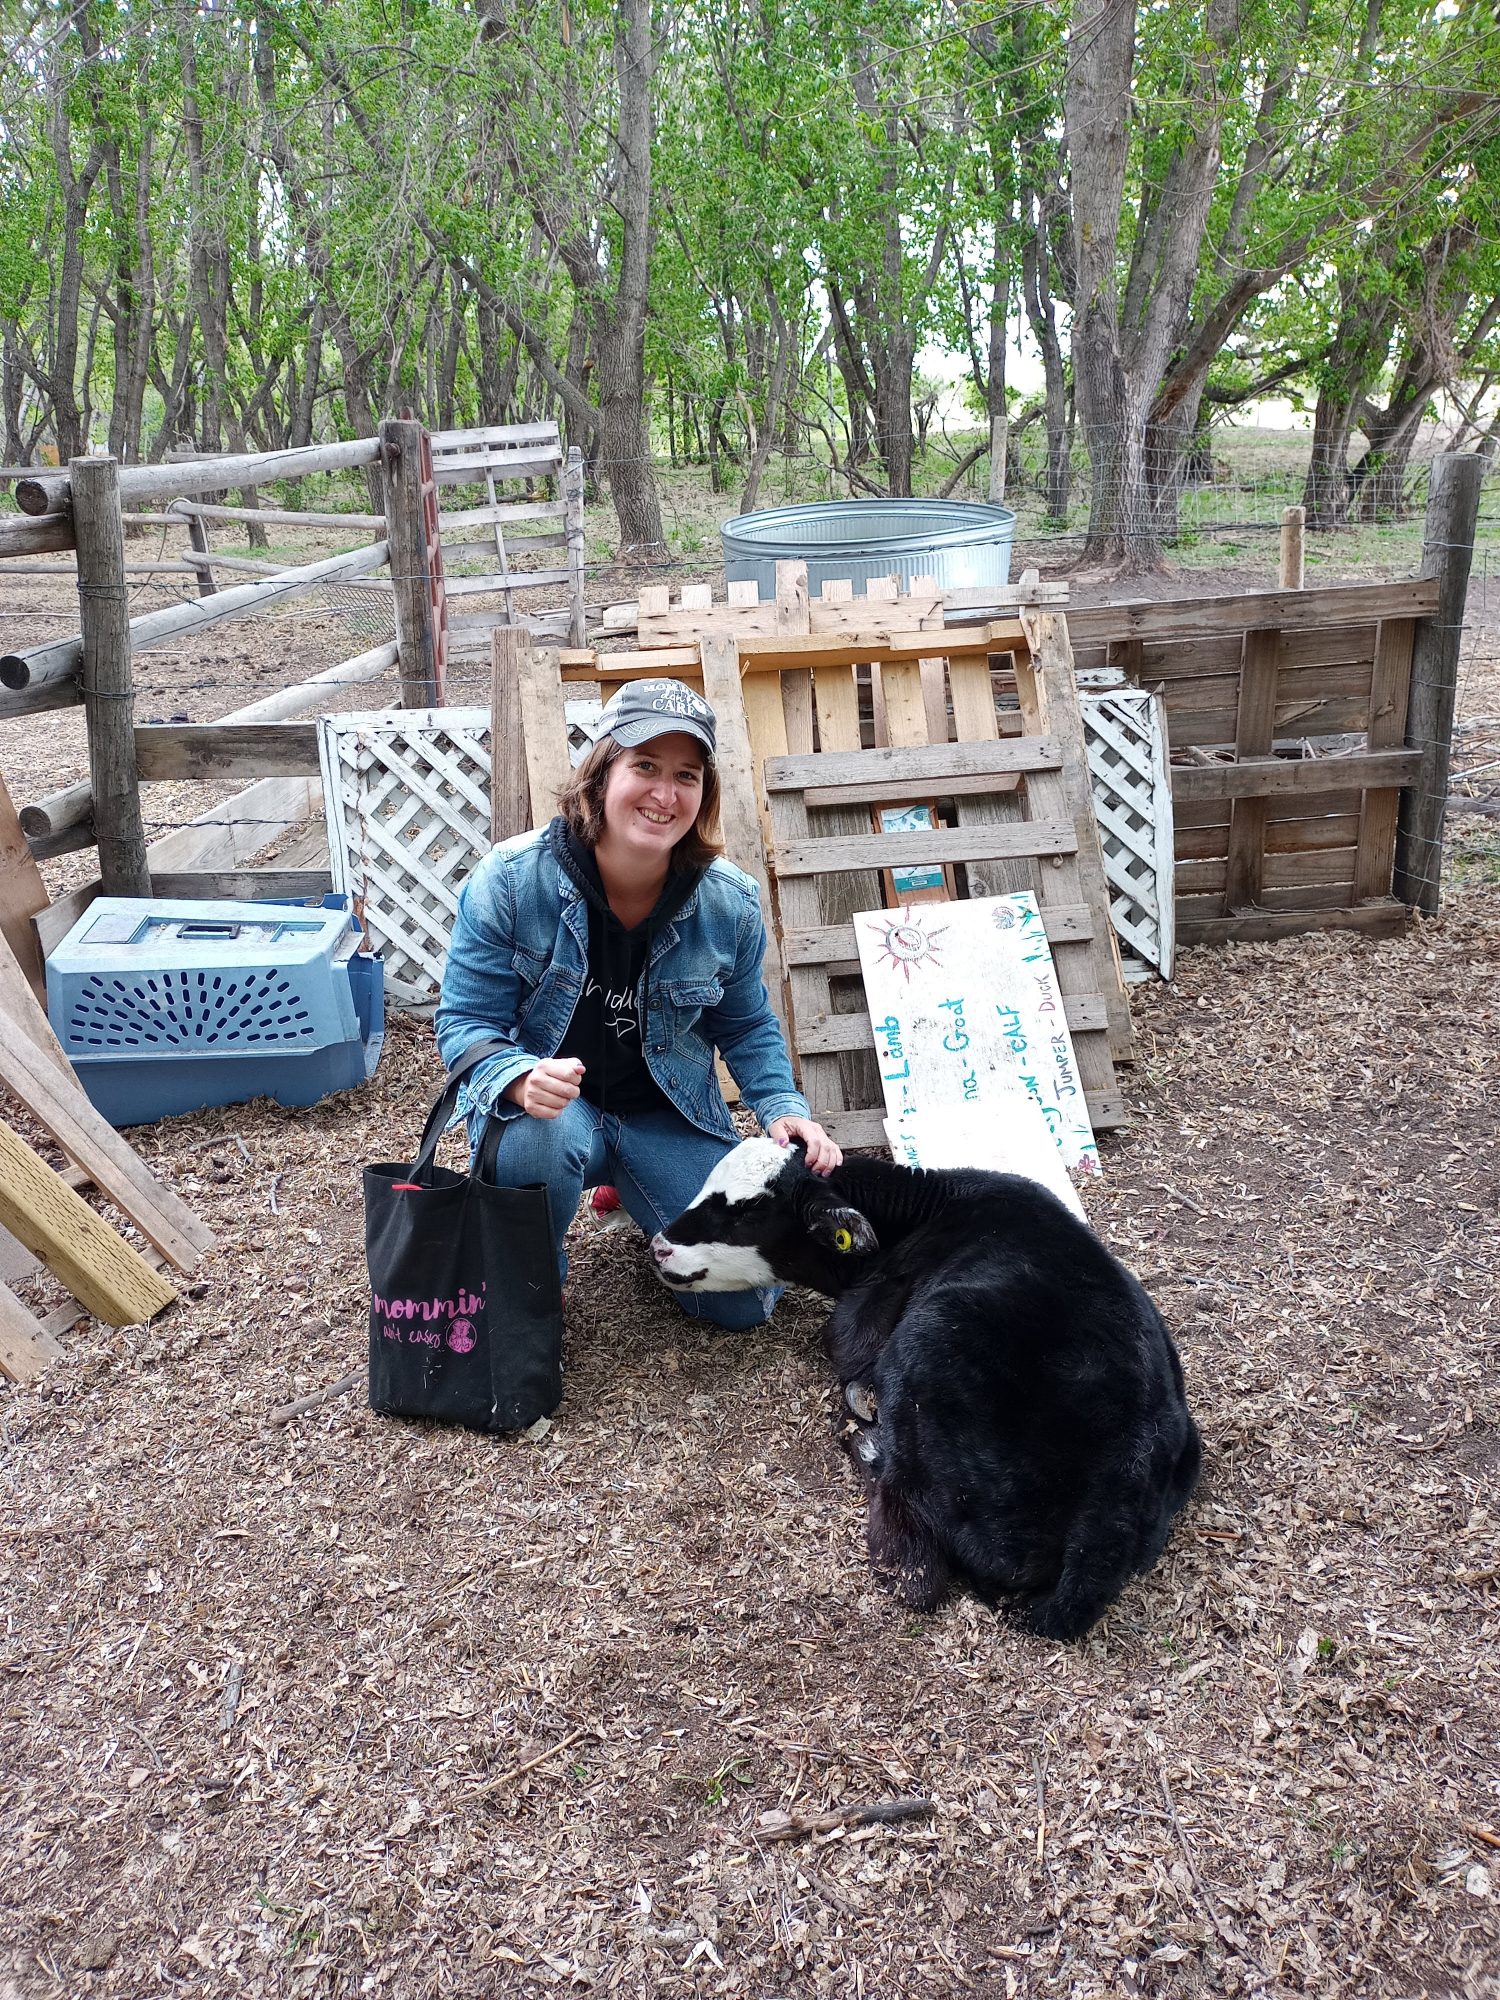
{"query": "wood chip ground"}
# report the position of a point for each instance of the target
(345, 1706)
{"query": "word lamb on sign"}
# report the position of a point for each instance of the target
(965, 1011)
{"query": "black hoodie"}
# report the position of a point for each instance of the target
(605, 1031)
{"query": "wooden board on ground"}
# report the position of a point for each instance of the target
(80, 1249)
(27, 1344)
(60, 1107)
(20, 1008)
(21, 1011)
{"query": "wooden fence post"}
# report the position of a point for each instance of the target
(999, 445)
(1447, 553)
(198, 537)
(104, 676)
(510, 789)
(1293, 567)
(572, 485)
(411, 573)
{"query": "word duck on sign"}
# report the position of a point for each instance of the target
(966, 1013)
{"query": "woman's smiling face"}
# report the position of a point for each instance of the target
(652, 795)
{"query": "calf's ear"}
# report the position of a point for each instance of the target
(843, 1230)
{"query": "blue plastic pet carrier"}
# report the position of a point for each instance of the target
(167, 1006)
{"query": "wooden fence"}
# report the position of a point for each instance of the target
(1310, 729)
(1287, 716)
(81, 509)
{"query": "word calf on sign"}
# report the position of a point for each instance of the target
(972, 1041)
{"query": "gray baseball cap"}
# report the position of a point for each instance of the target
(643, 709)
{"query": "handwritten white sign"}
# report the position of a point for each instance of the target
(965, 1009)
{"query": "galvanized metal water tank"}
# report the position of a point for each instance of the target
(959, 543)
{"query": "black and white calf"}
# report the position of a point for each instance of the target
(1022, 1420)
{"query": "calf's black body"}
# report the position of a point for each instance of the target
(1031, 1434)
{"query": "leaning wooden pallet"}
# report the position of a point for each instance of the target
(98, 1267)
(1075, 878)
(34, 1069)
(1021, 824)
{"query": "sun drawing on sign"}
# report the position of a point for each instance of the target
(906, 943)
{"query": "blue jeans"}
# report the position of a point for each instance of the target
(656, 1159)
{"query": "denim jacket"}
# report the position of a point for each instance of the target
(516, 966)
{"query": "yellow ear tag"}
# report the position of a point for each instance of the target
(843, 1239)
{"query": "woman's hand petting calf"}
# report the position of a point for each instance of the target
(823, 1156)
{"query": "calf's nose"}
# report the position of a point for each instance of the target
(661, 1249)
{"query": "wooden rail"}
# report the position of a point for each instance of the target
(46, 676)
(205, 475)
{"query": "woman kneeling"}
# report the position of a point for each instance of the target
(612, 953)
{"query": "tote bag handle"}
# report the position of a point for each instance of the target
(442, 1111)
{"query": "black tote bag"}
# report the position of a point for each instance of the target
(465, 1299)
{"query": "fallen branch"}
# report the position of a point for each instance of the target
(509, 1777)
(284, 1412)
(1177, 1195)
(881, 1812)
(1221, 1924)
(233, 1683)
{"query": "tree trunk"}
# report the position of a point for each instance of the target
(624, 445)
(1378, 482)
(1101, 57)
(448, 370)
(75, 190)
(785, 342)
(1125, 337)
(1353, 363)
(312, 368)
(13, 449)
(619, 321)
(208, 251)
(1041, 312)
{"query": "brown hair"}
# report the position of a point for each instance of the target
(581, 803)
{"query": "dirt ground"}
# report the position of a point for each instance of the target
(349, 1706)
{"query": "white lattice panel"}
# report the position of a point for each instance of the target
(1127, 744)
(407, 798)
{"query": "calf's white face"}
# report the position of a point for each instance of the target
(712, 1245)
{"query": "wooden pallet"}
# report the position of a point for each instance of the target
(1270, 841)
(39, 1076)
(789, 704)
